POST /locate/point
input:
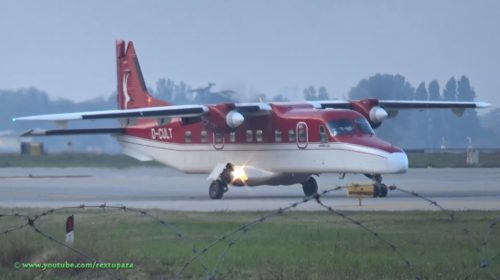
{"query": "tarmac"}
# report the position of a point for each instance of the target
(164, 188)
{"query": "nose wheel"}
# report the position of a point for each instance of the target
(217, 189)
(219, 186)
(310, 187)
(379, 189)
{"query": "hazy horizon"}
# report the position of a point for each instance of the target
(66, 48)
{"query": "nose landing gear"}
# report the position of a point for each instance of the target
(217, 189)
(379, 189)
(220, 185)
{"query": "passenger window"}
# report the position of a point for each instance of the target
(277, 136)
(204, 136)
(291, 135)
(232, 137)
(322, 134)
(249, 136)
(187, 136)
(219, 137)
(258, 135)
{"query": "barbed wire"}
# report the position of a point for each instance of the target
(485, 261)
(246, 227)
(14, 228)
(243, 230)
(375, 234)
(234, 236)
(30, 222)
(432, 202)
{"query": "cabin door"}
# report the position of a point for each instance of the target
(302, 135)
(218, 140)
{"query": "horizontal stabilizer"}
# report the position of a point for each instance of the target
(55, 132)
(136, 154)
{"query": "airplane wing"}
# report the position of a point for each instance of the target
(147, 112)
(336, 104)
(245, 108)
(253, 109)
(127, 114)
(184, 111)
(375, 110)
(402, 104)
(393, 106)
(414, 104)
(457, 107)
(54, 132)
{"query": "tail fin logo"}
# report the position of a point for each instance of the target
(125, 90)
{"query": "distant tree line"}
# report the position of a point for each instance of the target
(410, 129)
(182, 93)
(32, 101)
(427, 128)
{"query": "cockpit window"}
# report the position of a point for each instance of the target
(349, 127)
(340, 127)
(364, 127)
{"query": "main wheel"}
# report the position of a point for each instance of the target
(216, 190)
(310, 187)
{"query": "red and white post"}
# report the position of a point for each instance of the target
(70, 236)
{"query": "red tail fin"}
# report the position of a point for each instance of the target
(131, 89)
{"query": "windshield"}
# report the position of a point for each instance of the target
(364, 127)
(348, 127)
(340, 127)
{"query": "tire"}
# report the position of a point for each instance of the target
(383, 190)
(310, 187)
(376, 190)
(216, 189)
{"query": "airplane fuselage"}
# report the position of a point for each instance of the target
(292, 140)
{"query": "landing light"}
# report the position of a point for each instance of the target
(239, 174)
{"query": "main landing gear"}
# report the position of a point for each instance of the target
(310, 187)
(379, 189)
(219, 186)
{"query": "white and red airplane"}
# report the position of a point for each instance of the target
(250, 144)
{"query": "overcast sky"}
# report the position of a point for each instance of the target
(66, 47)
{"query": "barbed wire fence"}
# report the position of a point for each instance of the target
(30, 222)
(233, 237)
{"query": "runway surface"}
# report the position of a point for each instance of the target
(164, 188)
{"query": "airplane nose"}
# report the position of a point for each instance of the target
(398, 162)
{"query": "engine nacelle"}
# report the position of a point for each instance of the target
(234, 119)
(378, 114)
